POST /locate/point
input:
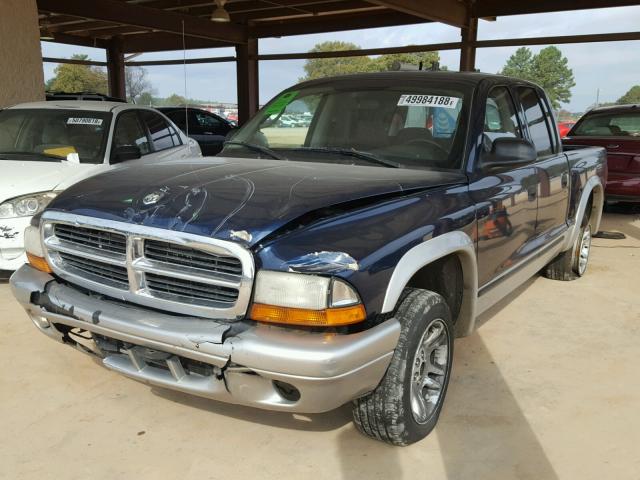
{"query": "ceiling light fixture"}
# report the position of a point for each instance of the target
(220, 15)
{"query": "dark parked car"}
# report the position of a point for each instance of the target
(316, 266)
(206, 128)
(616, 128)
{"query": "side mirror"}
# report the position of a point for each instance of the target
(507, 152)
(125, 153)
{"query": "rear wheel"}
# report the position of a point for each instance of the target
(406, 405)
(573, 263)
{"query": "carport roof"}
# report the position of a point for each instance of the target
(156, 25)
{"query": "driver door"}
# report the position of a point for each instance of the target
(506, 200)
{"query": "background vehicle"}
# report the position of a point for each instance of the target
(323, 265)
(564, 127)
(207, 128)
(616, 128)
(47, 146)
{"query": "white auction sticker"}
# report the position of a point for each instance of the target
(85, 121)
(428, 101)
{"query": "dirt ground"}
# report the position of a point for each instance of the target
(547, 388)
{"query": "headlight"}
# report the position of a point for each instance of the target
(299, 299)
(27, 205)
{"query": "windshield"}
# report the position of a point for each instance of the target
(609, 125)
(419, 126)
(52, 135)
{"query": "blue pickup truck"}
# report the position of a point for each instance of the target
(330, 262)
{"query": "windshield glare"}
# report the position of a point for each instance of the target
(51, 134)
(412, 127)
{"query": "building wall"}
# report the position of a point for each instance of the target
(21, 75)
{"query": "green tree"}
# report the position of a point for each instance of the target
(548, 68)
(175, 100)
(632, 96)
(327, 67)
(78, 78)
(137, 84)
(519, 65)
(386, 62)
(145, 98)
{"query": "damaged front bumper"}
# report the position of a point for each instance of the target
(255, 365)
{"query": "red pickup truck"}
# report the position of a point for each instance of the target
(616, 128)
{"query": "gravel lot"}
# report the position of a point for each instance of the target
(547, 388)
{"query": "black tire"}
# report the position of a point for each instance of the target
(386, 413)
(567, 266)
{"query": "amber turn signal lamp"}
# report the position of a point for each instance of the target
(329, 317)
(39, 263)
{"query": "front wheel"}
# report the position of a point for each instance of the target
(405, 406)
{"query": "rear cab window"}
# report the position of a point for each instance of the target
(537, 121)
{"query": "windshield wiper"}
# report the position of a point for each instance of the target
(257, 148)
(350, 152)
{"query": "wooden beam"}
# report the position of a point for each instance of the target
(591, 38)
(145, 17)
(74, 61)
(493, 8)
(160, 42)
(332, 23)
(115, 69)
(188, 61)
(451, 12)
(247, 80)
(77, 40)
(434, 47)
(469, 36)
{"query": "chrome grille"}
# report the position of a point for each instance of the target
(190, 257)
(174, 271)
(97, 271)
(91, 238)
(190, 289)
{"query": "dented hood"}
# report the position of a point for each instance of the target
(216, 197)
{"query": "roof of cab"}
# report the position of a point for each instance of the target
(96, 106)
(471, 78)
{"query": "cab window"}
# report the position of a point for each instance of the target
(537, 121)
(500, 118)
(162, 134)
(130, 132)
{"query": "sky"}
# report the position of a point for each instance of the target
(611, 67)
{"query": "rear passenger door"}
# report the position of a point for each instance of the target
(552, 165)
(505, 199)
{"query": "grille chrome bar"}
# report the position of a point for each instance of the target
(184, 273)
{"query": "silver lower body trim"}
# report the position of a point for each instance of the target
(326, 370)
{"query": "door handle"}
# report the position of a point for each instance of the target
(565, 180)
(613, 146)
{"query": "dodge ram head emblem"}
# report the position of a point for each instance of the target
(152, 198)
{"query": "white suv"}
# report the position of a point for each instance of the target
(47, 146)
